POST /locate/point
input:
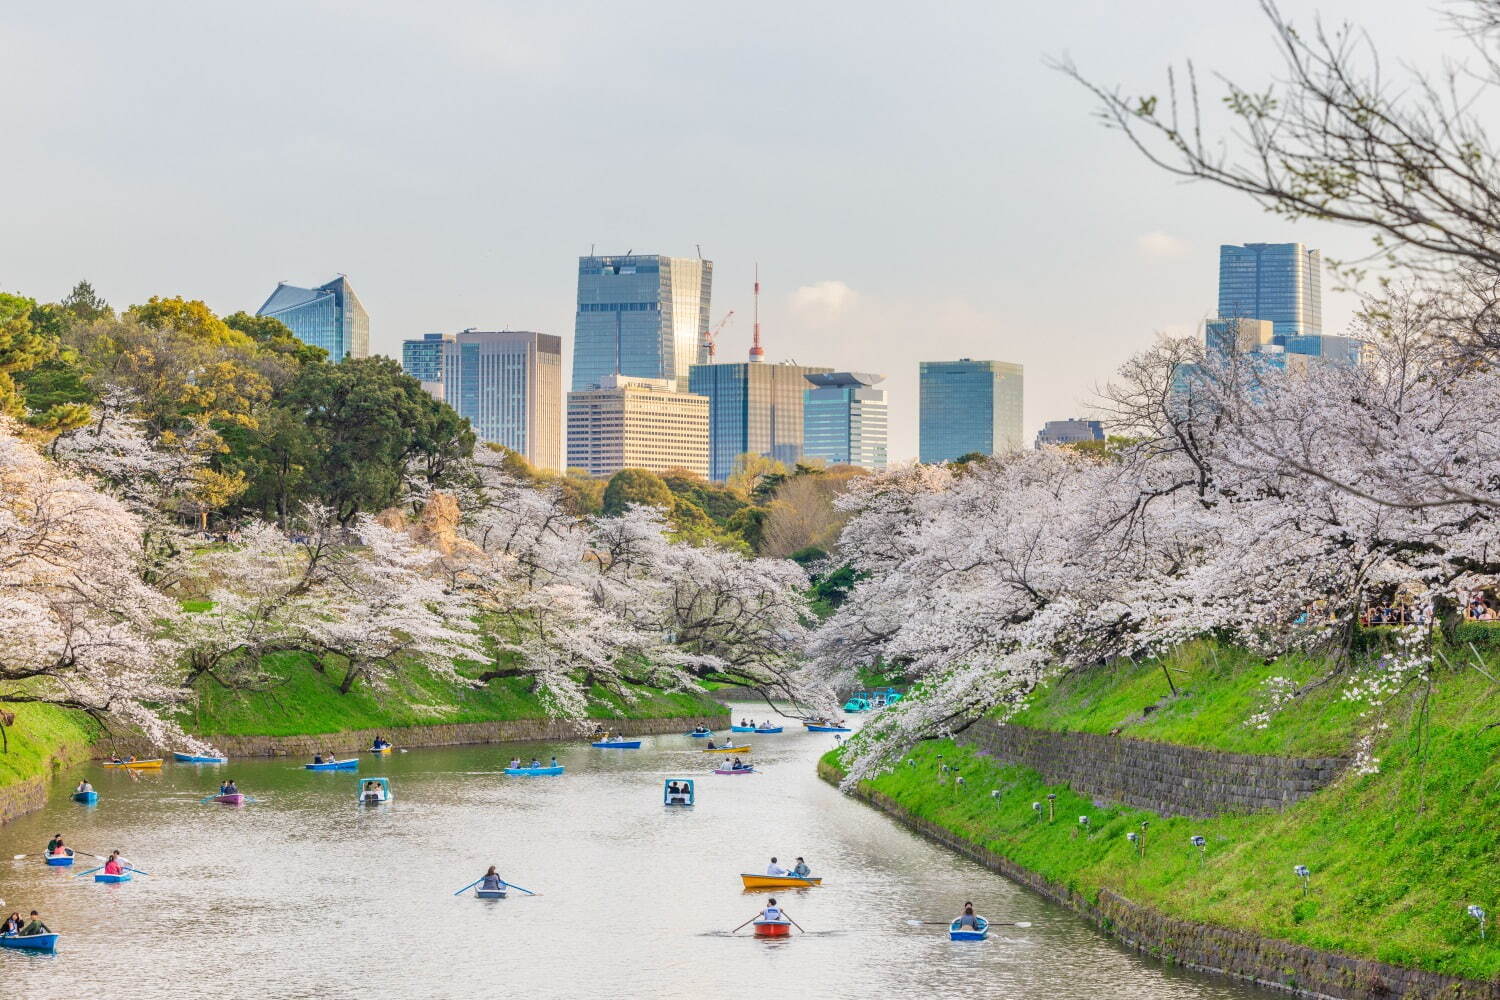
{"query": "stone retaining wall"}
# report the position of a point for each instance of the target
(1167, 779)
(30, 794)
(1267, 962)
(452, 734)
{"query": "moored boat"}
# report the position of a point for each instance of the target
(779, 881)
(735, 770)
(87, 798)
(111, 879)
(773, 928)
(490, 893)
(30, 942)
(195, 758)
(534, 772)
(232, 799)
(826, 729)
(351, 764)
(136, 765)
(743, 749)
(617, 744)
(976, 933)
(58, 860)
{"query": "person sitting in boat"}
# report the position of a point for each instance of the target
(515, 763)
(800, 869)
(317, 758)
(372, 792)
(13, 923)
(535, 762)
(775, 870)
(492, 880)
(55, 845)
(772, 911)
(83, 786)
(116, 865)
(35, 926)
(554, 762)
(967, 918)
(230, 788)
(738, 765)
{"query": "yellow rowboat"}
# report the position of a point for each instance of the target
(138, 765)
(779, 881)
(743, 749)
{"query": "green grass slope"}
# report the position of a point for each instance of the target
(40, 737)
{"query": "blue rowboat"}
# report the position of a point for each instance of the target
(534, 772)
(979, 932)
(352, 764)
(772, 729)
(618, 745)
(59, 860)
(742, 729)
(490, 893)
(826, 729)
(194, 758)
(700, 733)
(122, 877)
(31, 942)
(87, 798)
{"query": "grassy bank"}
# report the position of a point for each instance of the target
(40, 736)
(305, 702)
(1396, 857)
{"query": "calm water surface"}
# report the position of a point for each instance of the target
(305, 894)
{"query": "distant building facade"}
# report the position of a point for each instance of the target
(969, 406)
(1279, 282)
(629, 422)
(508, 383)
(753, 408)
(844, 419)
(1070, 431)
(422, 359)
(641, 315)
(329, 316)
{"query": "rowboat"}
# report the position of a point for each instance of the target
(533, 772)
(87, 798)
(701, 734)
(384, 749)
(617, 744)
(352, 764)
(490, 893)
(32, 942)
(137, 765)
(772, 928)
(742, 729)
(374, 791)
(779, 881)
(826, 729)
(976, 933)
(59, 860)
(743, 749)
(734, 770)
(195, 758)
(112, 879)
(232, 799)
(773, 729)
(858, 703)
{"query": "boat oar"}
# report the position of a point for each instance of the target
(89, 872)
(469, 886)
(527, 891)
(949, 923)
(136, 870)
(793, 923)
(747, 922)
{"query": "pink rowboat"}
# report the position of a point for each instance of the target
(236, 799)
(732, 770)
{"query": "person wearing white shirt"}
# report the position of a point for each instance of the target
(774, 869)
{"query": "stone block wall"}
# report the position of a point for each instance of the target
(1167, 779)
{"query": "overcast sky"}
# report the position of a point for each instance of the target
(913, 180)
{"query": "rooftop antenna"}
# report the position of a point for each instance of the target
(591, 249)
(700, 250)
(757, 353)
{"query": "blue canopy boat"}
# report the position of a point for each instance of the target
(32, 942)
(682, 795)
(978, 932)
(374, 791)
(858, 703)
(195, 758)
(112, 879)
(617, 744)
(534, 772)
(352, 764)
(87, 798)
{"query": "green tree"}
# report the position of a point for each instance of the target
(190, 317)
(636, 486)
(275, 337)
(85, 304)
(22, 348)
(756, 476)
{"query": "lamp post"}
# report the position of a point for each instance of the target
(1036, 807)
(1144, 824)
(1135, 839)
(1306, 876)
(1478, 914)
(1202, 844)
(1051, 800)
(1083, 824)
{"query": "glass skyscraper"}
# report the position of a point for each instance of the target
(329, 316)
(422, 357)
(753, 408)
(640, 315)
(1280, 282)
(844, 419)
(969, 406)
(509, 384)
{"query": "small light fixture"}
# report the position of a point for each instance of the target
(1083, 821)
(1202, 844)
(994, 793)
(1036, 807)
(1306, 876)
(1478, 914)
(1051, 810)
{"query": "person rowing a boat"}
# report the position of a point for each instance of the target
(83, 786)
(772, 912)
(736, 765)
(35, 926)
(967, 919)
(116, 865)
(800, 869)
(56, 846)
(317, 758)
(229, 788)
(492, 880)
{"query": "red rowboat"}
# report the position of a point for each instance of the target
(773, 928)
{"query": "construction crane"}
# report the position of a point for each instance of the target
(710, 339)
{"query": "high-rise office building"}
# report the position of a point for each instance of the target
(422, 359)
(1280, 282)
(844, 420)
(637, 423)
(641, 315)
(1070, 431)
(753, 408)
(509, 384)
(969, 406)
(329, 316)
